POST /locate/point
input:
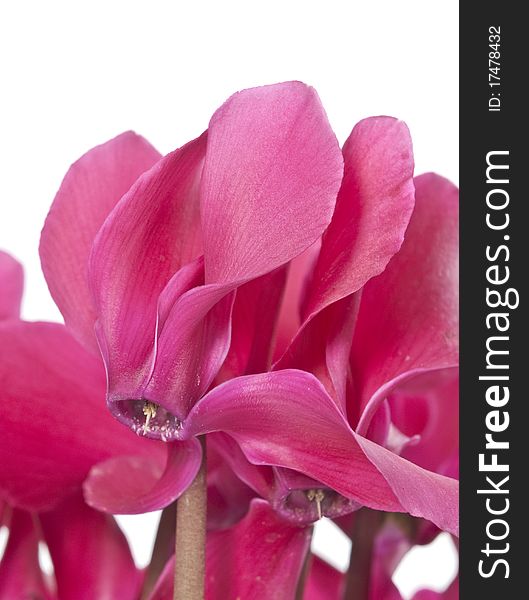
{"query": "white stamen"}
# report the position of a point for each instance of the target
(149, 410)
(316, 496)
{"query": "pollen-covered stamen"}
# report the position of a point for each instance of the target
(149, 410)
(317, 496)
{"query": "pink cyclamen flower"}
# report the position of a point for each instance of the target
(149, 273)
(282, 549)
(156, 274)
(399, 333)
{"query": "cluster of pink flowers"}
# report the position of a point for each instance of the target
(290, 306)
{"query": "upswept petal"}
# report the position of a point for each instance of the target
(55, 426)
(91, 557)
(150, 234)
(260, 558)
(88, 193)
(408, 319)
(273, 169)
(138, 484)
(20, 573)
(287, 419)
(11, 286)
(372, 211)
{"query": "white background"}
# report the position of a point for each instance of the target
(74, 74)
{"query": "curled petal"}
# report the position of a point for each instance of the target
(260, 558)
(258, 478)
(88, 193)
(427, 409)
(422, 493)
(149, 235)
(11, 286)
(372, 211)
(323, 582)
(138, 484)
(77, 536)
(228, 496)
(322, 347)
(289, 320)
(273, 168)
(408, 319)
(55, 426)
(191, 348)
(254, 320)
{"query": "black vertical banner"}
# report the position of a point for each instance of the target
(494, 327)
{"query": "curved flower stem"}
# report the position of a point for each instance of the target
(366, 525)
(190, 547)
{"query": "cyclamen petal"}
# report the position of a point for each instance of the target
(138, 484)
(267, 191)
(55, 426)
(11, 286)
(259, 555)
(324, 582)
(273, 169)
(88, 193)
(261, 558)
(20, 573)
(408, 319)
(151, 233)
(78, 535)
(254, 323)
(228, 496)
(373, 209)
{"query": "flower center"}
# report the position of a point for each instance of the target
(147, 419)
(305, 506)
